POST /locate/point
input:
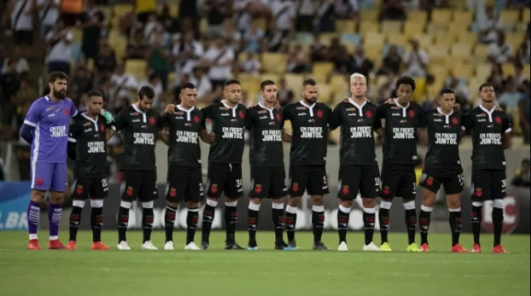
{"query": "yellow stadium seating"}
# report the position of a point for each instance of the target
(441, 16)
(527, 71)
(322, 70)
(483, 71)
(463, 17)
(425, 40)
(326, 38)
(119, 43)
(438, 53)
(250, 86)
(463, 71)
(526, 16)
(467, 37)
(508, 69)
(374, 39)
(90, 64)
(462, 50)
(411, 28)
(515, 40)
(136, 67)
(294, 81)
(350, 47)
(274, 62)
(121, 9)
(370, 15)
(339, 83)
(433, 28)
(433, 91)
(481, 52)
(77, 34)
(270, 76)
(368, 27)
(107, 12)
(345, 26)
(248, 77)
(419, 17)
(445, 38)
(392, 27)
(325, 93)
(510, 16)
(374, 52)
(397, 39)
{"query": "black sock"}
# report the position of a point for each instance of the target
(252, 219)
(147, 223)
(411, 223)
(291, 222)
(456, 224)
(369, 219)
(169, 222)
(208, 217)
(96, 222)
(231, 218)
(75, 220)
(497, 221)
(123, 220)
(279, 222)
(191, 224)
(476, 217)
(342, 225)
(383, 217)
(424, 225)
(318, 219)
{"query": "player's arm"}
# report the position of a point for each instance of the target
(287, 137)
(74, 133)
(335, 120)
(33, 117)
(164, 136)
(205, 136)
(380, 114)
(422, 134)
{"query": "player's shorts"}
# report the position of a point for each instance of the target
(93, 187)
(184, 183)
(451, 179)
(399, 180)
(268, 182)
(225, 177)
(141, 185)
(362, 178)
(488, 184)
(310, 177)
(49, 176)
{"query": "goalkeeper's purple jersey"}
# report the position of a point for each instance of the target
(51, 121)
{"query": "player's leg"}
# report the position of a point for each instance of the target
(499, 192)
(317, 189)
(430, 186)
(481, 180)
(391, 176)
(299, 176)
(96, 223)
(194, 195)
(408, 190)
(80, 193)
(147, 195)
(278, 190)
(453, 185)
(175, 191)
(233, 191)
(349, 180)
(369, 189)
(260, 184)
(55, 211)
(40, 183)
(130, 189)
(217, 175)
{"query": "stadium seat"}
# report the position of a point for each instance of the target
(461, 50)
(261, 23)
(274, 62)
(425, 40)
(392, 27)
(526, 17)
(527, 71)
(463, 71)
(350, 48)
(339, 83)
(433, 28)
(438, 53)
(419, 17)
(326, 38)
(445, 38)
(508, 69)
(174, 9)
(483, 71)
(136, 67)
(294, 81)
(90, 64)
(322, 70)
(481, 52)
(122, 9)
(269, 76)
(374, 52)
(463, 18)
(345, 26)
(325, 93)
(77, 34)
(397, 39)
(248, 77)
(374, 39)
(119, 43)
(411, 28)
(251, 86)
(304, 38)
(369, 27)
(510, 16)
(107, 13)
(467, 37)
(351, 38)
(370, 15)
(515, 40)
(441, 16)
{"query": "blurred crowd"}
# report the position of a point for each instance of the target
(210, 41)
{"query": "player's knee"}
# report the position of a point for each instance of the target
(37, 196)
(231, 200)
(428, 201)
(294, 201)
(256, 201)
(369, 202)
(57, 197)
(172, 204)
(453, 202)
(277, 201)
(347, 203)
(317, 200)
(192, 205)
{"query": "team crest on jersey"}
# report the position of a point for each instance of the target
(79, 189)
(498, 120)
(258, 188)
(278, 117)
(479, 192)
(214, 188)
(345, 190)
(39, 182)
(368, 114)
(67, 112)
(411, 113)
(455, 121)
(241, 115)
(295, 187)
(173, 192)
(385, 190)
(196, 119)
(429, 181)
(102, 127)
(152, 120)
(129, 191)
(320, 113)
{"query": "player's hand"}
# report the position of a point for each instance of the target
(277, 106)
(498, 108)
(457, 107)
(170, 108)
(108, 116)
(212, 137)
(390, 101)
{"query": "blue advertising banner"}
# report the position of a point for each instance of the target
(14, 197)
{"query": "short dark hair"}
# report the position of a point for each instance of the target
(187, 85)
(266, 83)
(146, 92)
(447, 91)
(94, 93)
(56, 75)
(406, 80)
(486, 84)
(309, 81)
(231, 82)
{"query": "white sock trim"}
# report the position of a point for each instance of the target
(148, 205)
(231, 204)
(291, 210)
(78, 203)
(386, 205)
(193, 210)
(344, 210)
(318, 209)
(410, 205)
(497, 203)
(212, 203)
(254, 207)
(55, 237)
(426, 208)
(33, 236)
(477, 204)
(126, 204)
(277, 206)
(96, 203)
(369, 210)
(454, 210)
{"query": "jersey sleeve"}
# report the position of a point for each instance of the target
(75, 131)
(335, 119)
(468, 121)
(120, 122)
(73, 109)
(423, 117)
(249, 118)
(160, 121)
(507, 124)
(207, 112)
(34, 115)
(377, 124)
(380, 112)
(287, 112)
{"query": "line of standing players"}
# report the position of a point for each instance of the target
(183, 125)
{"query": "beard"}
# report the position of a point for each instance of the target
(59, 94)
(311, 100)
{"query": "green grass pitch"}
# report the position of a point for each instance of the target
(265, 272)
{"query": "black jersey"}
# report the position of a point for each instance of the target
(358, 123)
(401, 124)
(184, 127)
(139, 136)
(310, 132)
(265, 127)
(89, 137)
(488, 128)
(444, 135)
(228, 124)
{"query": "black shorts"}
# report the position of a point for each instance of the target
(362, 178)
(268, 182)
(184, 183)
(139, 184)
(225, 177)
(23, 37)
(93, 187)
(488, 184)
(399, 180)
(451, 179)
(311, 177)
